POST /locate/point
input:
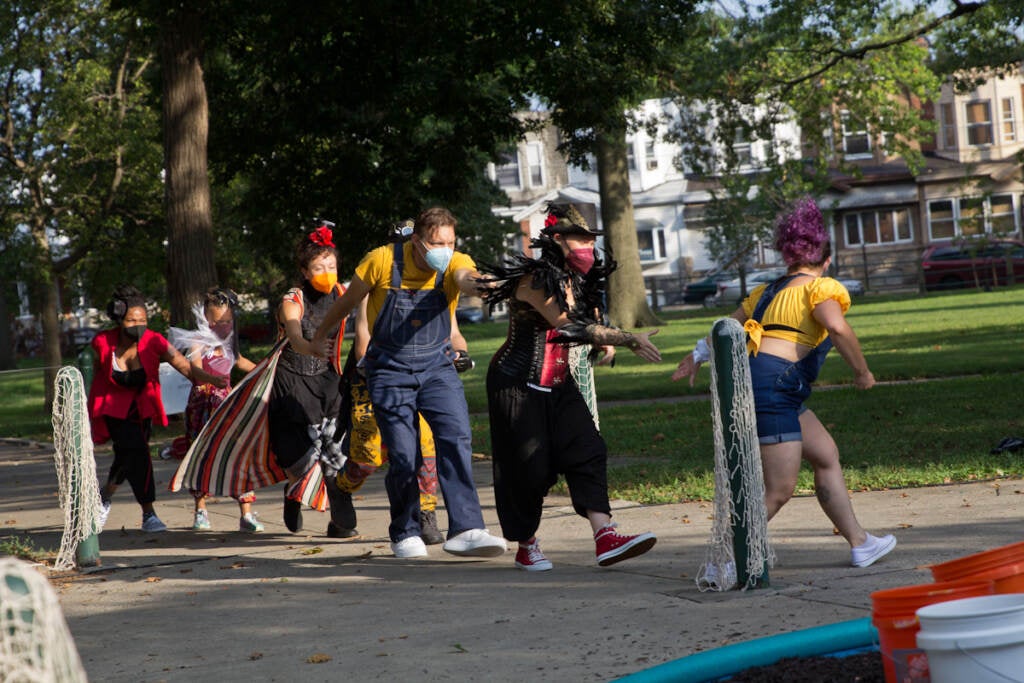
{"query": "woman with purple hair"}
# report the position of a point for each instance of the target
(791, 324)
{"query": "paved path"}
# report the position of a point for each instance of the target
(223, 606)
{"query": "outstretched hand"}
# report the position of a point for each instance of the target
(642, 346)
(687, 367)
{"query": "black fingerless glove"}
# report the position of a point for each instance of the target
(462, 362)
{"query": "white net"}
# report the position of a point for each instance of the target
(35, 643)
(583, 374)
(76, 468)
(719, 569)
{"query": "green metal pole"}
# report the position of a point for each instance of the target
(722, 345)
(87, 552)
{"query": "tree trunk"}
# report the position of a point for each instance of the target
(190, 263)
(627, 298)
(51, 338)
(6, 342)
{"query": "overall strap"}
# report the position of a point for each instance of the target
(766, 299)
(397, 265)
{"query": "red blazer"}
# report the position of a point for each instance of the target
(107, 397)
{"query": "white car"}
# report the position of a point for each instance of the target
(729, 293)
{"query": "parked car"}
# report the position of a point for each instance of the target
(697, 291)
(469, 315)
(854, 287)
(948, 265)
(729, 293)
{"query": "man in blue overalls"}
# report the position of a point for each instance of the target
(413, 288)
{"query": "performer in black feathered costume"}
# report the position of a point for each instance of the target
(540, 424)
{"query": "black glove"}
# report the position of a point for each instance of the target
(462, 362)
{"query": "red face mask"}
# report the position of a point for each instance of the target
(581, 260)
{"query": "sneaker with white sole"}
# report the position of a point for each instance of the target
(613, 547)
(475, 543)
(248, 524)
(201, 521)
(872, 550)
(530, 558)
(101, 521)
(410, 547)
(709, 578)
(151, 524)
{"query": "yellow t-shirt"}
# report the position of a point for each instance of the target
(375, 271)
(794, 307)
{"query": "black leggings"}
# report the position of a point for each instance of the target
(131, 455)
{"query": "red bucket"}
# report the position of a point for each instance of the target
(894, 614)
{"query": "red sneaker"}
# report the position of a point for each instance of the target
(613, 547)
(530, 558)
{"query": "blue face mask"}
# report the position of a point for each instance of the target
(438, 258)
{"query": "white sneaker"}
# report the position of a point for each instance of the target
(101, 521)
(151, 524)
(475, 543)
(708, 578)
(410, 547)
(872, 550)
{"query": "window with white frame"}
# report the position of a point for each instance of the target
(651, 241)
(535, 164)
(886, 226)
(650, 160)
(979, 122)
(1009, 123)
(742, 148)
(969, 216)
(948, 125)
(856, 141)
(506, 172)
(1002, 216)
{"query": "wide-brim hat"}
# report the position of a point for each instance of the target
(566, 219)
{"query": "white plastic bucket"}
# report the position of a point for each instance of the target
(974, 640)
(174, 389)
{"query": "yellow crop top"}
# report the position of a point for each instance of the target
(375, 270)
(793, 307)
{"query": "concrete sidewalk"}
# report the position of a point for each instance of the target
(224, 606)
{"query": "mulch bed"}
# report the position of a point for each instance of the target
(860, 668)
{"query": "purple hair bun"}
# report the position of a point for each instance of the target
(800, 233)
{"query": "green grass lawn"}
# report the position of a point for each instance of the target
(908, 433)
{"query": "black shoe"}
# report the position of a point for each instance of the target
(343, 513)
(293, 515)
(428, 528)
(335, 531)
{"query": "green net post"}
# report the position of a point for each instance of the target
(722, 342)
(86, 360)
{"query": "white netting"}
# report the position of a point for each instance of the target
(76, 468)
(35, 643)
(583, 374)
(719, 569)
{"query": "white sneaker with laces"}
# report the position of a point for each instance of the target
(410, 547)
(101, 521)
(151, 524)
(708, 578)
(872, 550)
(475, 543)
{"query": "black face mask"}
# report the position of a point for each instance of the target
(134, 331)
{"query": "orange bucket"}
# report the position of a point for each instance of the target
(1004, 566)
(894, 614)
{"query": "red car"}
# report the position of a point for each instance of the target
(970, 263)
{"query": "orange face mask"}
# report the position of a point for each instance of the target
(324, 282)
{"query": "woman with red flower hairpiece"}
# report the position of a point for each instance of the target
(792, 323)
(541, 425)
(282, 421)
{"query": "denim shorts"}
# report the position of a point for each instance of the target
(780, 389)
